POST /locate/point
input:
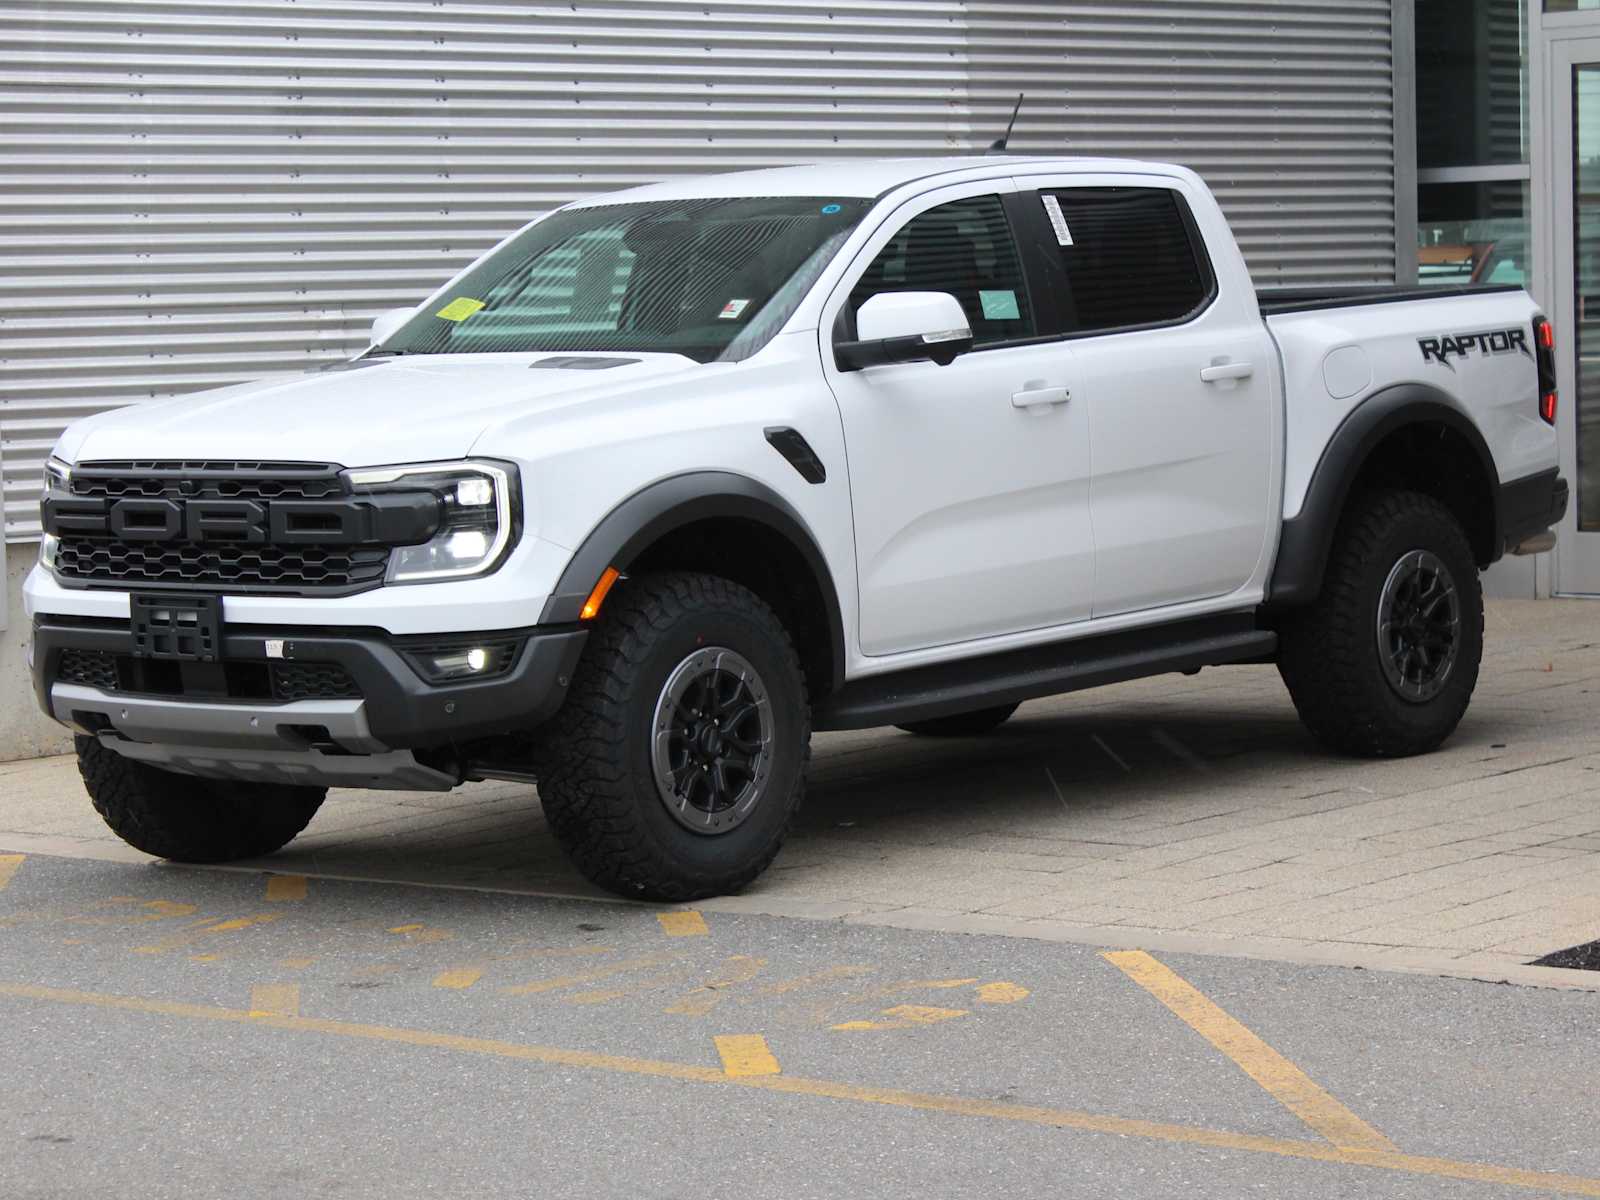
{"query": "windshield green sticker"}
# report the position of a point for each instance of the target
(999, 306)
(459, 309)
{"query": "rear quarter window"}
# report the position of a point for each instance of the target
(1134, 259)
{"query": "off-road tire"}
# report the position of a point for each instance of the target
(189, 819)
(1329, 654)
(593, 760)
(967, 724)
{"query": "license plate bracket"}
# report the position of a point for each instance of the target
(183, 628)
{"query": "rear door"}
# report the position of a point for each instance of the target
(969, 483)
(1177, 375)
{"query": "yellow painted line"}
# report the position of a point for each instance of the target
(745, 1054)
(960, 1106)
(8, 867)
(594, 976)
(936, 983)
(275, 1000)
(1285, 1082)
(286, 887)
(683, 924)
(296, 964)
(827, 975)
(1001, 992)
(241, 923)
(198, 929)
(907, 1016)
(740, 968)
(458, 977)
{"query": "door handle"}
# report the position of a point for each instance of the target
(1227, 370)
(1043, 397)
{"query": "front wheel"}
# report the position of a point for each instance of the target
(189, 819)
(678, 760)
(1385, 662)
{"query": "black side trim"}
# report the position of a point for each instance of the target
(1308, 537)
(1531, 505)
(1274, 301)
(946, 689)
(646, 516)
(791, 443)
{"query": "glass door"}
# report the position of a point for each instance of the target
(1575, 288)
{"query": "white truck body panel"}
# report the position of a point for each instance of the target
(1156, 497)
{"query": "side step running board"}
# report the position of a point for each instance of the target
(944, 689)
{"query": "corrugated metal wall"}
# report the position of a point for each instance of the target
(196, 192)
(1286, 107)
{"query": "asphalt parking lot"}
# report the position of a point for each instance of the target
(1143, 940)
(172, 1032)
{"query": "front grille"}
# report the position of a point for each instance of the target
(89, 668)
(240, 567)
(313, 681)
(231, 680)
(100, 559)
(208, 480)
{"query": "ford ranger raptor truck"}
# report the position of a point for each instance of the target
(672, 477)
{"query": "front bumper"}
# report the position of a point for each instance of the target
(369, 740)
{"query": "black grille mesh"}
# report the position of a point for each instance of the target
(312, 681)
(290, 567)
(208, 480)
(89, 668)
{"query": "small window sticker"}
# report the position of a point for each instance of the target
(733, 310)
(459, 309)
(999, 306)
(1058, 222)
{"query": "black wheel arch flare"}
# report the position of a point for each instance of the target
(1307, 538)
(659, 509)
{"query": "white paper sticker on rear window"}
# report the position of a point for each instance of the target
(1052, 208)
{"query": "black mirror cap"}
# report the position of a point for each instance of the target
(854, 356)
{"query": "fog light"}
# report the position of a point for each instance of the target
(456, 663)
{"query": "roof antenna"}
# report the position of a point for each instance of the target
(998, 146)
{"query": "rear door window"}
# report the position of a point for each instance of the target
(964, 248)
(1120, 258)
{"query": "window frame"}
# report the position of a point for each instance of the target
(844, 323)
(1030, 213)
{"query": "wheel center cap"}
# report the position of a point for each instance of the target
(710, 740)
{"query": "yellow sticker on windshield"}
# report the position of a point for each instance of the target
(459, 309)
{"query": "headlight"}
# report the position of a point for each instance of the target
(477, 503)
(57, 476)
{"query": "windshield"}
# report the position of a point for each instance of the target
(710, 279)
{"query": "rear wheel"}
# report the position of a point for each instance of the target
(967, 724)
(1385, 662)
(678, 760)
(189, 819)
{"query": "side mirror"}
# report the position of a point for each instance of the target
(894, 327)
(388, 322)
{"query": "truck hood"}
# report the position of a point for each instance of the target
(374, 413)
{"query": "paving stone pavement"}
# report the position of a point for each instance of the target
(1177, 813)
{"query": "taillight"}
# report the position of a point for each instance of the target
(1544, 340)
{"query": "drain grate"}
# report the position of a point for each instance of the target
(1577, 958)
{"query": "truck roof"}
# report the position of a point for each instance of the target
(856, 177)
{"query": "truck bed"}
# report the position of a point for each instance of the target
(1292, 300)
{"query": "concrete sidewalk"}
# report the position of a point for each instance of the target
(1174, 813)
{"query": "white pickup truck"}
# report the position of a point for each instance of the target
(672, 477)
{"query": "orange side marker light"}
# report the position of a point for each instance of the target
(591, 606)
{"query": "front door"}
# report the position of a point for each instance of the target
(1575, 179)
(969, 483)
